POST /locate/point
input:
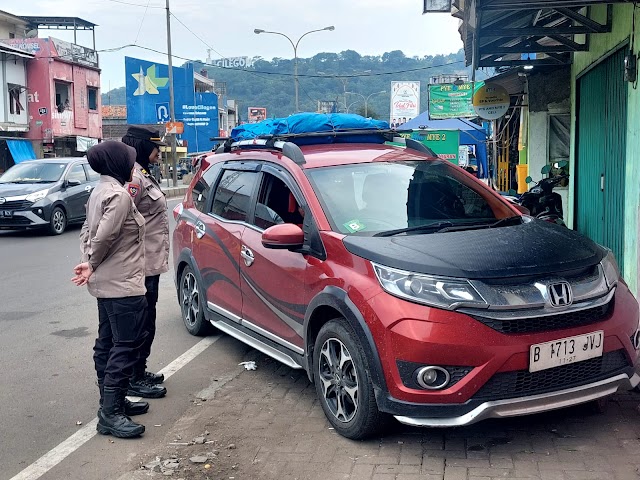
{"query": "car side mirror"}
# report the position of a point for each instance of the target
(283, 236)
(73, 183)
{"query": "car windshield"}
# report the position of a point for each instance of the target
(34, 172)
(401, 198)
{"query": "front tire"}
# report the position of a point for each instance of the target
(343, 383)
(58, 221)
(191, 304)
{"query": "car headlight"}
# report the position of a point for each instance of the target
(36, 196)
(441, 292)
(611, 270)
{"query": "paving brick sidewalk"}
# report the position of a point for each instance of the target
(277, 430)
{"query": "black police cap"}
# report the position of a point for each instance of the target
(145, 133)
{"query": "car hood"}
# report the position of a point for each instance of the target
(17, 189)
(533, 248)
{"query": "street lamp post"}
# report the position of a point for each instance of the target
(258, 31)
(366, 99)
(351, 105)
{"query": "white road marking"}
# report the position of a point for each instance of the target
(86, 433)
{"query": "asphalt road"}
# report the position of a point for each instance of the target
(47, 379)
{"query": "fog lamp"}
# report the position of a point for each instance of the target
(432, 378)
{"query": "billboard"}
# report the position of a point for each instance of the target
(327, 106)
(147, 90)
(256, 114)
(233, 62)
(448, 100)
(405, 102)
(444, 143)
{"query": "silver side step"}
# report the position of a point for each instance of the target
(257, 344)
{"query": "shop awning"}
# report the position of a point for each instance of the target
(21, 150)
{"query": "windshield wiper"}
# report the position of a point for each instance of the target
(426, 226)
(500, 223)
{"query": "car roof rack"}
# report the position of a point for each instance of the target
(285, 142)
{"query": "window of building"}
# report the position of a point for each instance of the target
(92, 98)
(233, 195)
(63, 100)
(12, 35)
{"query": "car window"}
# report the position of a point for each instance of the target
(276, 204)
(34, 172)
(91, 173)
(374, 197)
(200, 192)
(233, 195)
(77, 174)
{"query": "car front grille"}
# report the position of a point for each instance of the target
(548, 323)
(522, 383)
(16, 205)
(14, 221)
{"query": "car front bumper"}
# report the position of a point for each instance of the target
(23, 219)
(514, 407)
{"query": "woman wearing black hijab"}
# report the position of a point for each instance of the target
(112, 245)
(152, 204)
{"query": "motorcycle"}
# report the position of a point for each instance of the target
(542, 202)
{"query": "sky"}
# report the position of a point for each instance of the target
(370, 27)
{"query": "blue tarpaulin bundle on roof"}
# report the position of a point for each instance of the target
(295, 126)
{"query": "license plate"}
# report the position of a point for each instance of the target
(565, 350)
(6, 213)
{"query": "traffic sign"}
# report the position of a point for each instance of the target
(162, 112)
(175, 127)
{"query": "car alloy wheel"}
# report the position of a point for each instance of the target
(58, 221)
(343, 383)
(191, 304)
(339, 380)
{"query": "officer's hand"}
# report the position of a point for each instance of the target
(83, 272)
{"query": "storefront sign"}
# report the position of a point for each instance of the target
(449, 100)
(257, 114)
(491, 101)
(443, 143)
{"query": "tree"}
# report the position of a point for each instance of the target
(370, 112)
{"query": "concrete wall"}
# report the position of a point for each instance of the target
(600, 46)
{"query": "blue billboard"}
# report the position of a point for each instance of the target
(147, 85)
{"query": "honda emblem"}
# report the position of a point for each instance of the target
(560, 294)
(2, 200)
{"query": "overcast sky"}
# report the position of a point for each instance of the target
(370, 27)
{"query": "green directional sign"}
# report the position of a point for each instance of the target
(448, 100)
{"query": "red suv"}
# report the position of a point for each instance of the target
(401, 284)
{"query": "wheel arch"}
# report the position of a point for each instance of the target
(334, 302)
(186, 259)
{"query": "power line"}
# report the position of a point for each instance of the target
(141, 22)
(195, 35)
(135, 4)
(262, 72)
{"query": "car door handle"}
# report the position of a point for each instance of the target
(200, 229)
(247, 256)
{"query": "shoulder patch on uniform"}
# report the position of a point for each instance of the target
(133, 189)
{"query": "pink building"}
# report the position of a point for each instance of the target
(63, 95)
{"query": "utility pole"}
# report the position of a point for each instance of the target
(172, 107)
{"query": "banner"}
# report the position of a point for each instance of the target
(257, 114)
(448, 100)
(405, 102)
(444, 143)
(327, 106)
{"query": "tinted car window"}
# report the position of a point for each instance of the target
(77, 174)
(276, 204)
(233, 195)
(201, 189)
(91, 173)
(34, 172)
(374, 197)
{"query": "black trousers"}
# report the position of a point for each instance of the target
(152, 283)
(120, 336)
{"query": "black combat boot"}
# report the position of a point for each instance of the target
(111, 417)
(131, 409)
(139, 386)
(154, 378)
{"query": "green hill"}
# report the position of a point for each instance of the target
(325, 76)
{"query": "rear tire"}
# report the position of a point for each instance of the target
(191, 305)
(58, 221)
(343, 383)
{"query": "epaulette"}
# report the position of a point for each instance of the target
(144, 172)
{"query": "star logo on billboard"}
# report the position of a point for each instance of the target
(149, 83)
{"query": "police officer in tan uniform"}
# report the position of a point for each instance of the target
(152, 204)
(112, 246)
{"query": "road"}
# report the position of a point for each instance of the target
(47, 379)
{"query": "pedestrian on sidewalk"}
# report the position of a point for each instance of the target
(152, 204)
(112, 246)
